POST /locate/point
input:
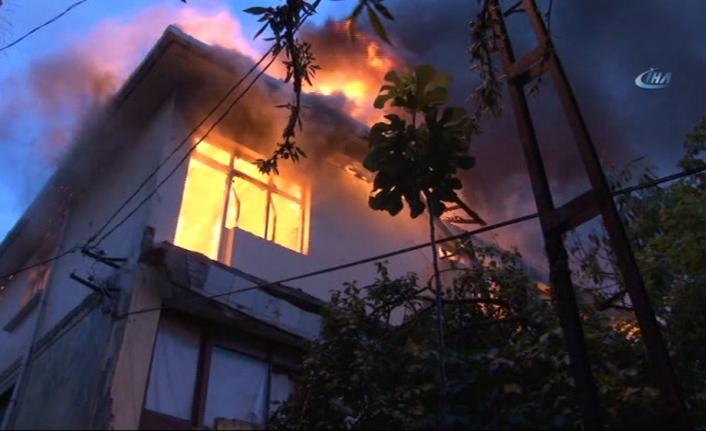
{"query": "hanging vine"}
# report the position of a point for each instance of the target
(283, 23)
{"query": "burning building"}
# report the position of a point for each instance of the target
(142, 284)
(124, 316)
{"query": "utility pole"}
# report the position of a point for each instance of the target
(557, 221)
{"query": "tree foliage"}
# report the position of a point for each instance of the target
(506, 364)
(283, 23)
(417, 158)
(667, 226)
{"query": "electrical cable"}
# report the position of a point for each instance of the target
(182, 160)
(194, 130)
(36, 29)
(405, 250)
(183, 142)
(359, 262)
(10, 275)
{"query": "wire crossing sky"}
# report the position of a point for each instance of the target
(618, 41)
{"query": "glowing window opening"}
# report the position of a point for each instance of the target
(269, 207)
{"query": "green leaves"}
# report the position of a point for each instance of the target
(377, 25)
(417, 162)
(284, 22)
(373, 8)
(414, 91)
(488, 95)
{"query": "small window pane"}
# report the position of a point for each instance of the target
(281, 387)
(250, 170)
(174, 368)
(237, 388)
(288, 187)
(252, 201)
(199, 225)
(215, 153)
(287, 228)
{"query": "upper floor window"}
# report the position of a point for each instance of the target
(224, 191)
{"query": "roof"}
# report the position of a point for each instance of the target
(175, 62)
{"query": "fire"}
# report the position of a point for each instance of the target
(354, 69)
(376, 60)
(224, 192)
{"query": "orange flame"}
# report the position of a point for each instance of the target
(266, 206)
(354, 69)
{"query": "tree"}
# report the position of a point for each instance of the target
(667, 227)
(506, 362)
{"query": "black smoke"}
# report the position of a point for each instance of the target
(603, 46)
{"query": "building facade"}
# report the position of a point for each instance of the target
(166, 312)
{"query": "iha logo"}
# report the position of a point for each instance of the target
(653, 79)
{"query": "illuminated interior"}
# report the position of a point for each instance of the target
(224, 192)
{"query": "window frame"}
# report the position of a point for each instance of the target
(277, 357)
(227, 235)
(33, 286)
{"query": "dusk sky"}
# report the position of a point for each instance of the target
(604, 45)
(24, 167)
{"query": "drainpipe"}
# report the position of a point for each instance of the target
(24, 365)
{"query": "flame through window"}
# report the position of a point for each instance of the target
(223, 192)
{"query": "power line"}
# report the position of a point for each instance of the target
(36, 29)
(359, 262)
(658, 181)
(181, 144)
(194, 130)
(183, 159)
(405, 250)
(10, 275)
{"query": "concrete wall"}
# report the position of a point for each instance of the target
(62, 382)
(60, 386)
(122, 398)
(119, 179)
(261, 305)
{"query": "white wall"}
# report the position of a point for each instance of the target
(120, 178)
(343, 229)
(14, 344)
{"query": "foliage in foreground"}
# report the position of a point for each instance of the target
(506, 362)
(667, 225)
(506, 365)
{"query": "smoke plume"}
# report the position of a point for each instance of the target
(617, 40)
(603, 45)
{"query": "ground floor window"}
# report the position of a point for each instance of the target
(201, 378)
